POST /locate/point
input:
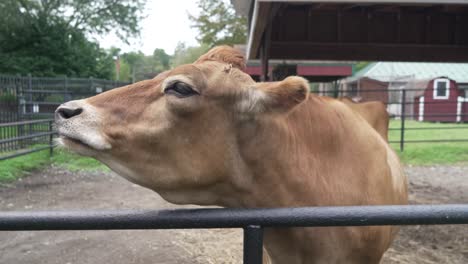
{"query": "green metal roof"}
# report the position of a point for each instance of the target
(389, 71)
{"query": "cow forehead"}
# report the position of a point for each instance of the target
(211, 76)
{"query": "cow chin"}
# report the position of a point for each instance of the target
(76, 146)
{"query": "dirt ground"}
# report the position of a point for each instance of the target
(56, 189)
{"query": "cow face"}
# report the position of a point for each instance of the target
(178, 133)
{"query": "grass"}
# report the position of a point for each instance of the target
(14, 168)
(431, 153)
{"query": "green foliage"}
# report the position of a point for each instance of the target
(86, 16)
(161, 58)
(125, 74)
(7, 98)
(55, 98)
(144, 67)
(218, 23)
(184, 54)
(49, 38)
(431, 153)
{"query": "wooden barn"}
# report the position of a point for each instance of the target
(385, 81)
(441, 101)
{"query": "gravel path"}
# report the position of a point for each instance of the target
(55, 189)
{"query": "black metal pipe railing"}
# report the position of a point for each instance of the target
(251, 220)
(253, 244)
(429, 141)
(236, 218)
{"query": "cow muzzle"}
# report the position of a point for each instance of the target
(79, 127)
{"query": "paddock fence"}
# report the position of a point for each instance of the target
(28, 97)
(27, 106)
(252, 221)
(25, 137)
(414, 111)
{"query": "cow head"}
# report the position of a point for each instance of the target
(179, 133)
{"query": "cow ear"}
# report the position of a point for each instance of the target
(275, 97)
(224, 54)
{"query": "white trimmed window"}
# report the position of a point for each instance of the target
(441, 88)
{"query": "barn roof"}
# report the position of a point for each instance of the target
(357, 30)
(392, 71)
(364, 30)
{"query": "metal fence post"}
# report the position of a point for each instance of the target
(51, 139)
(66, 96)
(253, 244)
(403, 115)
(91, 86)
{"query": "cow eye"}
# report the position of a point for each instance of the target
(180, 90)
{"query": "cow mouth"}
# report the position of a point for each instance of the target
(74, 141)
(86, 143)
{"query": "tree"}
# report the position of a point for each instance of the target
(50, 50)
(51, 37)
(89, 16)
(184, 54)
(218, 23)
(161, 58)
(143, 67)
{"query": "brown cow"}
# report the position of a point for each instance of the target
(207, 134)
(374, 112)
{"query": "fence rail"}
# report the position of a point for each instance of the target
(23, 100)
(28, 97)
(251, 220)
(25, 137)
(405, 104)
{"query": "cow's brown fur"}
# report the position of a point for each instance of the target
(246, 144)
(374, 112)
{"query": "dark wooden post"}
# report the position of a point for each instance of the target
(265, 53)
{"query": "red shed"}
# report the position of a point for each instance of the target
(442, 101)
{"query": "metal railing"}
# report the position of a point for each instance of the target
(252, 221)
(25, 137)
(406, 101)
(28, 97)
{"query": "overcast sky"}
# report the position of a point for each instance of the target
(166, 24)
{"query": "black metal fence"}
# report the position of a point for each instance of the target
(27, 105)
(26, 98)
(24, 137)
(408, 104)
(253, 221)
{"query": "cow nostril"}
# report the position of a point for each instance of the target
(67, 113)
